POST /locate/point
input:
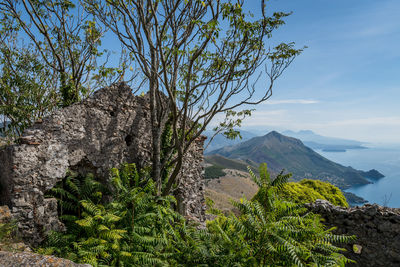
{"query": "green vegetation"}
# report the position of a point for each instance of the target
(137, 227)
(214, 172)
(26, 90)
(132, 229)
(10, 240)
(7, 233)
(272, 232)
(307, 191)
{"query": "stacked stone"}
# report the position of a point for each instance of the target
(377, 229)
(190, 193)
(110, 128)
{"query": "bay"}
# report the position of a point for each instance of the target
(385, 159)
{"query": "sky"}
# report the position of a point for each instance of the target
(347, 82)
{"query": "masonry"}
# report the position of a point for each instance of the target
(377, 230)
(110, 128)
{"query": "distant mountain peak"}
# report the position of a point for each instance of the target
(316, 141)
(283, 152)
(306, 132)
(220, 140)
(273, 133)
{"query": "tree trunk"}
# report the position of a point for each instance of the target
(156, 135)
(174, 175)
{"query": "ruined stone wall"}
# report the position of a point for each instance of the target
(190, 192)
(377, 229)
(110, 128)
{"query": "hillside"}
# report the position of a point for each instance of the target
(226, 163)
(233, 185)
(282, 152)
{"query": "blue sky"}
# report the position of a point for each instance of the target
(347, 82)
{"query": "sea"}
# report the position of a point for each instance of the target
(383, 157)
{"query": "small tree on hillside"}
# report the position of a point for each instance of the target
(204, 56)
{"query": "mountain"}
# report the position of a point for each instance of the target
(220, 140)
(282, 152)
(316, 141)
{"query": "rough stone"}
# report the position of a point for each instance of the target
(25, 259)
(377, 230)
(110, 128)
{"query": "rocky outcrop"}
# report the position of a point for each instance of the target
(377, 229)
(14, 253)
(110, 128)
(25, 259)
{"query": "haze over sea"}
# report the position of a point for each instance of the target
(385, 159)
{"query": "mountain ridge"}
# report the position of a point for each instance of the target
(220, 140)
(283, 152)
(330, 144)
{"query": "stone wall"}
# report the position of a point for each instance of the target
(377, 229)
(25, 259)
(110, 128)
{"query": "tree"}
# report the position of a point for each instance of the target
(66, 39)
(199, 59)
(27, 86)
(59, 41)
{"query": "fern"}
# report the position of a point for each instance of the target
(272, 232)
(140, 228)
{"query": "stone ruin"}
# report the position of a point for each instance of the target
(109, 128)
(377, 230)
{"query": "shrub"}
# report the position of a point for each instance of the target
(307, 191)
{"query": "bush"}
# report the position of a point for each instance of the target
(307, 191)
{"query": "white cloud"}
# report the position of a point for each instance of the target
(291, 101)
